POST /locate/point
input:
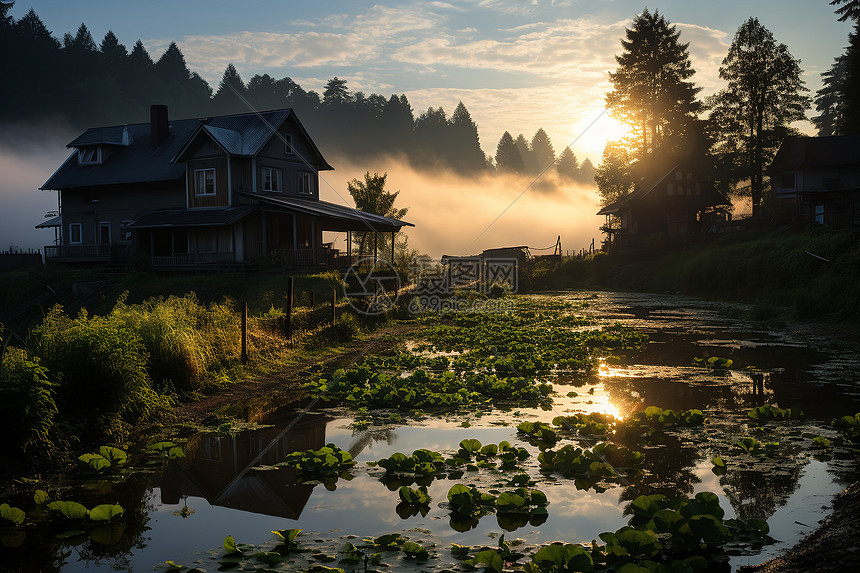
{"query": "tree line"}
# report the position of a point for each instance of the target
(85, 83)
(732, 135)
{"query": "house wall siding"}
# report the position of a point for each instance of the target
(220, 198)
(116, 204)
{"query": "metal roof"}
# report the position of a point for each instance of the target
(192, 217)
(115, 135)
(136, 163)
(797, 153)
(333, 217)
(51, 223)
(132, 158)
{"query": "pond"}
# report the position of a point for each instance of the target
(227, 482)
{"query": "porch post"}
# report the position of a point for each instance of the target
(295, 234)
(264, 218)
(314, 240)
(375, 247)
(349, 246)
(392, 248)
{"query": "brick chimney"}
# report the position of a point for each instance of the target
(158, 127)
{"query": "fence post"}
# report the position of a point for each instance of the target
(290, 308)
(244, 356)
(333, 299)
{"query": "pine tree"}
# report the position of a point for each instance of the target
(529, 164)
(371, 196)
(542, 151)
(849, 85)
(850, 9)
(587, 172)
(651, 88)
(751, 116)
(230, 97)
(114, 53)
(464, 152)
(508, 158)
(171, 67)
(828, 100)
(336, 92)
(81, 41)
(568, 166)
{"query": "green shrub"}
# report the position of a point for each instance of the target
(27, 405)
(101, 364)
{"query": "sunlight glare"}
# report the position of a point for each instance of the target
(594, 139)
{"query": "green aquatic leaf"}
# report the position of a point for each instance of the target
(13, 514)
(106, 512)
(230, 546)
(115, 456)
(171, 566)
(69, 509)
(40, 497)
(415, 551)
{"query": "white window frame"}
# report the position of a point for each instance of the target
(305, 183)
(204, 173)
(79, 227)
(90, 155)
(99, 237)
(273, 179)
(288, 144)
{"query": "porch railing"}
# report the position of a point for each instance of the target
(325, 257)
(193, 259)
(85, 253)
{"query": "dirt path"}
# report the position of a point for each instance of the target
(284, 386)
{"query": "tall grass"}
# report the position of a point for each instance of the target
(27, 404)
(184, 339)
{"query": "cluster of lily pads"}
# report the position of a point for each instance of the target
(515, 508)
(427, 390)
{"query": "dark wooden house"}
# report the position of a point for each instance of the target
(201, 193)
(668, 206)
(818, 179)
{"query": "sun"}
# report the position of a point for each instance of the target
(593, 136)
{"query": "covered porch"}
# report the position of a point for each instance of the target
(271, 231)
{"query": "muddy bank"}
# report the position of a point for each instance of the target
(832, 548)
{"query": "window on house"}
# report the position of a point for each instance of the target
(125, 231)
(288, 144)
(306, 183)
(92, 155)
(679, 176)
(272, 179)
(669, 189)
(698, 189)
(204, 182)
(75, 233)
(786, 181)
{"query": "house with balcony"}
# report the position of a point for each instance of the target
(818, 179)
(672, 203)
(204, 193)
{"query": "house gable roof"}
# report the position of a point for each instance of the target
(809, 153)
(646, 186)
(246, 134)
(135, 160)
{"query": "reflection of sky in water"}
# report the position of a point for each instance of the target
(660, 376)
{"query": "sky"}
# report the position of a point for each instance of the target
(516, 65)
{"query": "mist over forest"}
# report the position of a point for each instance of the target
(107, 83)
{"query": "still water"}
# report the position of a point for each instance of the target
(184, 514)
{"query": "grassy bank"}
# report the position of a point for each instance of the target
(99, 374)
(774, 270)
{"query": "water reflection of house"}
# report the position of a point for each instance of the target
(217, 469)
